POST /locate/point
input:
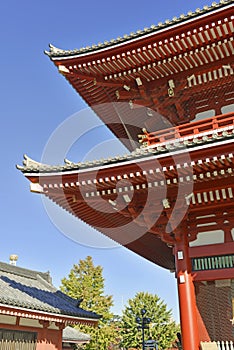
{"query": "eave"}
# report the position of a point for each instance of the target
(44, 316)
(184, 19)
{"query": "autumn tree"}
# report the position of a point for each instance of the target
(85, 282)
(161, 326)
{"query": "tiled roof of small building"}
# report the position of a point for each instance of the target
(71, 334)
(56, 52)
(33, 290)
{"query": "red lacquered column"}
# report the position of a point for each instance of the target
(187, 300)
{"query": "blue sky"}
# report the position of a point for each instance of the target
(35, 100)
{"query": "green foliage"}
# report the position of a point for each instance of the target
(86, 283)
(161, 328)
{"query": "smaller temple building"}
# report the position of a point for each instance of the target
(33, 313)
(73, 337)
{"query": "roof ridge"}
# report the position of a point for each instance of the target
(139, 153)
(21, 271)
(57, 52)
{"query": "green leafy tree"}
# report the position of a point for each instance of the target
(161, 327)
(85, 282)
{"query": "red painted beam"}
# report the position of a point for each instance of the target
(211, 250)
(212, 275)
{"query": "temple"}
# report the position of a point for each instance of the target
(167, 93)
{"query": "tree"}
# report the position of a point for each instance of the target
(86, 283)
(161, 327)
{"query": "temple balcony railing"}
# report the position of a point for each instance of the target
(217, 125)
(213, 262)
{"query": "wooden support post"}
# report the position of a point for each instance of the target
(187, 300)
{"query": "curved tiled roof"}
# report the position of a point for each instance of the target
(33, 290)
(57, 52)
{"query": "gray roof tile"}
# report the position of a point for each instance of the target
(33, 290)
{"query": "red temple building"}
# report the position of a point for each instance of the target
(167, 92)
